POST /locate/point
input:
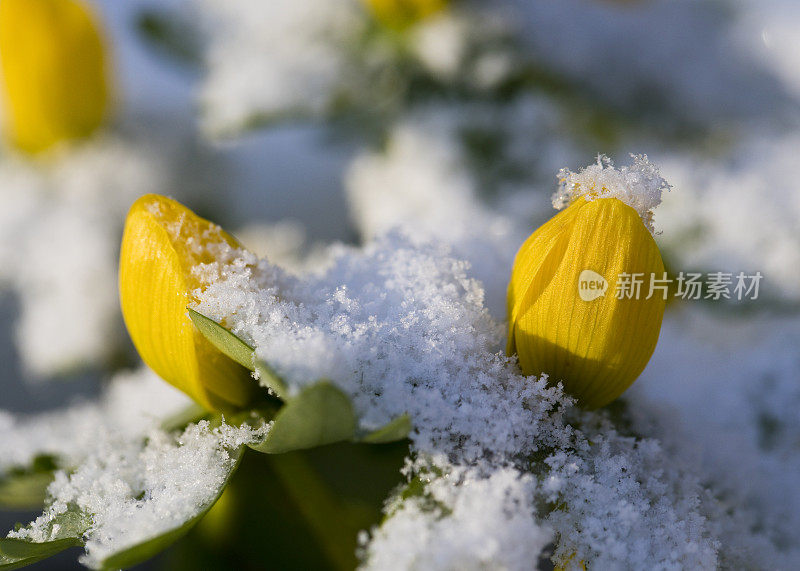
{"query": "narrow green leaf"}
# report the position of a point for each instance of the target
(393, 430)
(223, 339)
(147, 549)
(16, 553)
(320, 414)
(235, 348)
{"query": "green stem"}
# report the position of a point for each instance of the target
(319, 507)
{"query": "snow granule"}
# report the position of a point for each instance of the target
(137, 489)
(639, 185)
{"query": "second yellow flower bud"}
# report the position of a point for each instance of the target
(566, 317)
(400, 14)
(54, 75)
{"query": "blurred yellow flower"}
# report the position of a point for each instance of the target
(54, 74)
(566, 318)
(399, 14)
(163, 241)
(568, 564)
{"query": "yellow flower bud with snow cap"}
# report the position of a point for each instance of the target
(55, 85)
(579, 302)
(400, 14)
(163, 245)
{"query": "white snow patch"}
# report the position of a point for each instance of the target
(60, 222)
(132, 404)
(137, 489)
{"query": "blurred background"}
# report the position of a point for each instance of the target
(297, 124)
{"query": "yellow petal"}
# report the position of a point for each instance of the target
(528, 260)
(55, 86)
(568, 564)
(400, 14)
(598, 347)
(162, 242)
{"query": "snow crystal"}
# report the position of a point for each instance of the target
(639, 185)
(136, 489)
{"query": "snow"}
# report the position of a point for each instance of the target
(131, 404)
(272, 58)
(422, 182)
(401, 325)
(686, 60)
(137, 489)
(459, 538)
(721, 219)
(77, 200)
(639, 185)
(440, 43)
(305, 58)
(747, 441)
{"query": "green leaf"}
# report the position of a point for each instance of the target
(392, 431)
(235, 348)
(69, 528)
(268, 377)
(321, 414)
(25, 490)
(16, 553)
(147, 549)
(223, 339)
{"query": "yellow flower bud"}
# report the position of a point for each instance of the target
(596, 344)
(400, 14)
(54, 79)
(162, 242)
